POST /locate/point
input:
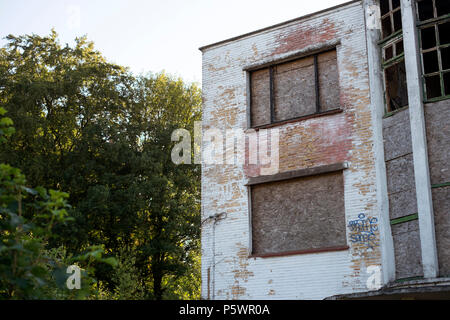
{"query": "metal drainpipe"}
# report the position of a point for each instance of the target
(217, 217)
(214, 261)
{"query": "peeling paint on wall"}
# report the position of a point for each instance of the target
(346, 136)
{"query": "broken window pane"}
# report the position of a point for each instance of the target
(433, 86)
(430, 62)
(437, 39)
(445, 54)
(447, 83)
(399, 48)
(384, 6)
(428, 37)
(394, 75)
(391, 17)
(388, 53)
(426, 10)
(397, 20)
(395, 4)
(396, 90)
(442, 7)
(387, 26)
(444, 33)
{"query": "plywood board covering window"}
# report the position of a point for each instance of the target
(298, 215)
(328, 80)
(260, 113)
(294, 89)
(295, 93)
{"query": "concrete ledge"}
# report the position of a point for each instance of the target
(290, 56)
(299, 252)
(423, 289)
(298, 173)
(302, 118)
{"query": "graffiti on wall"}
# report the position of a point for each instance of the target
(363, 231)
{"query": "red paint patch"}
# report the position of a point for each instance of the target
(304, 35)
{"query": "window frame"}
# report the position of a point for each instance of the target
(283, 177)
(391, 13)
(433, 22)
(390, 40)
(270, 67)
(386, 65)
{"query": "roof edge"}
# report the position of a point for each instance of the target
(277, 25)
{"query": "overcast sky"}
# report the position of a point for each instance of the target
(151, 36)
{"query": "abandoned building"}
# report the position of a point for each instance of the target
(359, 206)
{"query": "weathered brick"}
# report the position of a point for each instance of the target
(345, 136)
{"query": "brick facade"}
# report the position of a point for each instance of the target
(345, 136)
(384, 179)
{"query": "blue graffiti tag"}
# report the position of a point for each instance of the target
(363, 230)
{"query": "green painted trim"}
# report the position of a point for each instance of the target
(392, 61)
(405, 219)
(391, 113)
(437, 99)
(393, 36)
(445, 184)
(432, 21)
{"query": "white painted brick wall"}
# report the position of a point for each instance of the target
(309, 276)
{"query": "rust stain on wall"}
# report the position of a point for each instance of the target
(226, 111)
(338, 137)
(357, 101)
(311, 143)
(255, 51)
(241, 273)
(212, 68)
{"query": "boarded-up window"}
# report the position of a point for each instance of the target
(441, 205)
(294, 89)
(402, 195)
(328, 80)
(302, 214)
(437, 117)
(295, 93)
(260, 113)
(408, 257)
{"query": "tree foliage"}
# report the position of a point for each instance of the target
(27, 220)
(95, 130)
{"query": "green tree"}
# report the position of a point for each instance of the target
(92, 128)
(169, 200)
(27, 220)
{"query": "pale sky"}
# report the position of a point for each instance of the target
(147, 35)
